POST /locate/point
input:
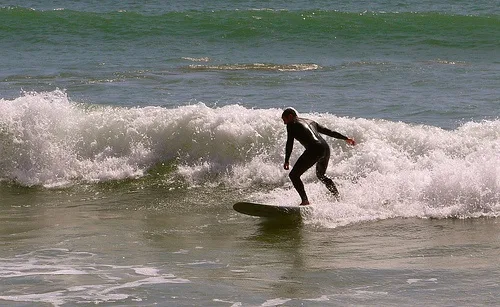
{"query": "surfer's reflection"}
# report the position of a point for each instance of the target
(286, 242)
(283, 226)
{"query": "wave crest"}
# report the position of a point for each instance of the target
(396, 170)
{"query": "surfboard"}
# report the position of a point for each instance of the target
(270, 211)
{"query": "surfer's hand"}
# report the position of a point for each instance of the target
(351, 142)
(286, 166)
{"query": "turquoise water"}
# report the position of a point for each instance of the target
(128, 130)
(415, 63)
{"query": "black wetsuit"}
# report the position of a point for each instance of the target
(307, 132)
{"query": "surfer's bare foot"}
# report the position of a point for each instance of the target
(304, 203)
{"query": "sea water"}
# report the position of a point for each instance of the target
(128, 130)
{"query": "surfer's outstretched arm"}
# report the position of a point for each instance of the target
(334, 134)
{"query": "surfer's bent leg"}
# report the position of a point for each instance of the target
(321, 170)
(304, 162)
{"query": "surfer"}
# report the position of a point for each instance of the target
(308, 133)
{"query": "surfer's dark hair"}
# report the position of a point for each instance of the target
(289, 111)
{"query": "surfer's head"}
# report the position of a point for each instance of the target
(288, 115)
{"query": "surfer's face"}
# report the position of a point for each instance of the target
(287, 118)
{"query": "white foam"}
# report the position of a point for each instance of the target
(418, 280)
(401, 170)
(146, 271)
(53, 298)
(99, 283)
(323, 298)
(51, 141)
(275, 302)
(396, 169)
